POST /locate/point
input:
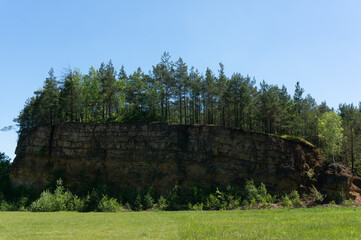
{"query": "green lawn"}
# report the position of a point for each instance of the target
(316, 223)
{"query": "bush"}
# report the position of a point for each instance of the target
(5, 168)
(5, 206)
(316, 195)
(251, 192)
(193, 194)
(295, 199)
(127, 206)
(348, 203)
(262, 191)
(264, 203)
(252, 203)
(245, 203)
(46, 203)
(148, 201)
(61, 200)
(138, 206)
(91, 201)
(109, 205)
(162, 203)
(195, 207)
(213, 202)
(173, 198)
(232, 203)
(286, 202)
(311, 174)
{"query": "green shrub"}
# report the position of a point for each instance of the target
(173, 198)
(262, 191)
(148, 201)
(5, 183)
(5, 206)
(213, 202)
(195, 207)
(311, 174)
(286, 202)
(264, 203)
(74, 203)
(91, 201)
(316, 195)
(252, 203)
(348, 203)
(23, 202)
(222, 201)
(45, 203)
(232, 203)
(251, 192)
(162, 203)
(60, 200)
(295, 199)
(245, 203)
(138, 206)
(107, 204)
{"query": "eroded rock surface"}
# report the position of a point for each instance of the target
(163, 155)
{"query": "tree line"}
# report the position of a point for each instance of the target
(176, 93)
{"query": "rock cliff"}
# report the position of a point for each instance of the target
(138, 155)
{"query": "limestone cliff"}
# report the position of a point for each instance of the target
(138, 155)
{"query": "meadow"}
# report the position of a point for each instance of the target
(302, 223)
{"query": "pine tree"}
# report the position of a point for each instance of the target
(70, 97)
(49, 103)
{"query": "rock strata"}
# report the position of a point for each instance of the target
(162, 155)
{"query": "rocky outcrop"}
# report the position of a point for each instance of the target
(138, 155)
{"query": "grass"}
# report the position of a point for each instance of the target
(291, 137)
(315, 223)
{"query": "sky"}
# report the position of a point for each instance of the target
(317, 43)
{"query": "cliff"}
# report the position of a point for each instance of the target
(138, 155)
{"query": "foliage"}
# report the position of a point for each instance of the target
(171, 92)
(162, 203)
(107, 204)
(297, 139)
(311, 174)
(330, 132)
(316, 195)
(295, 199)
(251, 192)
(102, 199)
(5, 167)
(213, 203)
(286, 202)
(60, 200)
(173, 198)
(348, 203)
(177, 93)
(195, 207)
(148, 201)
(138, 206)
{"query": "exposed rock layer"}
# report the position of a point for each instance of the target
(163, 155)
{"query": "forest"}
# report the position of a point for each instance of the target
(176, 93)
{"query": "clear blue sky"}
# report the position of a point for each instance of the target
(315, 42)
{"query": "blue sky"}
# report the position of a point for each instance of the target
(315, 42)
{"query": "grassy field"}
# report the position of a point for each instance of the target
(315, 223)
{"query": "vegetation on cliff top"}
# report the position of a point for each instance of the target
(174, 92)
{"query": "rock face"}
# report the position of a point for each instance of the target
(163, 155)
